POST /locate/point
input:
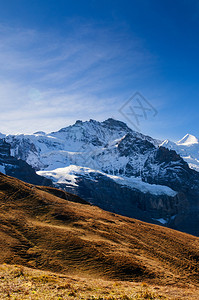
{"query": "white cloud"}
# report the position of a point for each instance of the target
(47, 79)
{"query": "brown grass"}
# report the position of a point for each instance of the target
(19, 283)
(40, 230)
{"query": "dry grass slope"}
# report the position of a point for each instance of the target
(19, 283)
(40, 230)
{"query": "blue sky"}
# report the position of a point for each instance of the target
(66, 60)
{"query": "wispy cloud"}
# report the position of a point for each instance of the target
(48, 80)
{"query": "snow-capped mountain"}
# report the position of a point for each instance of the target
(187, 148)
(121, 170)
(90, 144)
(188, 140)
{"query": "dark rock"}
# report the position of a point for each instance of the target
(19, 168)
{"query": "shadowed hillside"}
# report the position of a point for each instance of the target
(40, 230)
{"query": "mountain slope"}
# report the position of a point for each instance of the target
(136, 177)
(188, 148)
(90, 144)
(188, 139)
(41, 230)
(18, 168)
(123, 195)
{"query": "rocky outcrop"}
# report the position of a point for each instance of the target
(18, 168)
(166, 167)
(101, 190)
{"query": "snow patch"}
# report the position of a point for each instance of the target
(2, 169)
(161, 220)
(144, 187)
(70, 174)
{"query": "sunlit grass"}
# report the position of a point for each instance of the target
(21, 283)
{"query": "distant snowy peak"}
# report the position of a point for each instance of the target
(167, 144)
(187, 148)
(188, 140)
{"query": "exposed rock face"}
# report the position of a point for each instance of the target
(165, 166)
(19, 168)
(112, 148)
(180, 212)
(124, 200)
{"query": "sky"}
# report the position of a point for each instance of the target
(136, 61)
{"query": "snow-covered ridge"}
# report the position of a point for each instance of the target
(90, 144)
(71, 173)
(188, 140)
(187, 148)
(110, 147)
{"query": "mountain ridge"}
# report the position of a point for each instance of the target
(188, 139)
(187, 148)
(136, 163)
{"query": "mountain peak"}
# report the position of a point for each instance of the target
(188, 139)
(115, 123)
(79, 122)
(93, 125)
(39, 133)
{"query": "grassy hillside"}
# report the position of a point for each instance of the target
(42, 231)
(19, 283)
